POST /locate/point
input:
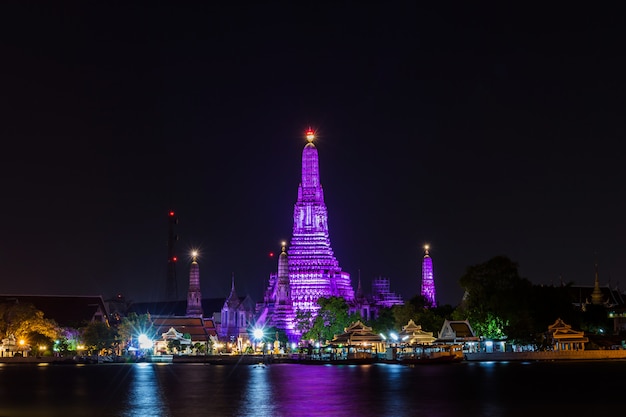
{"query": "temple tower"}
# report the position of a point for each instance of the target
(596, 294)
(283, 293)
(194, 296)
(428, 281)
(284, 317)
(314, 271)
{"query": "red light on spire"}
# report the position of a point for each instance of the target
(310, 134)
(171, 214)
(271, 254)
(174, 258)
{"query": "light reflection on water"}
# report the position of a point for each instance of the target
(145, 396)
(193, 390)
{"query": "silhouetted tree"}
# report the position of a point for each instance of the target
(497, 299)
(98, 336)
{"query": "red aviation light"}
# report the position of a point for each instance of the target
(171, 214)
(310, 134)
(174, 258)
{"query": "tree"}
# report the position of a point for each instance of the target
(98, 336)
(173, 346)
(199, 347)
(417, 309)
(550, 303)
(22, 319)
(497, 298)
(594, 319)
(40, 344)
(63, 346)
(386, 319)
(134, 325)
(331, 319)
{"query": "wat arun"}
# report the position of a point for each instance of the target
(308, 269)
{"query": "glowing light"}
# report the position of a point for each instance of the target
(171, 214)
(144, 342)
(258, 334)
(310, 135)
(174, 258)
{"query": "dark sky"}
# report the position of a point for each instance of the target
(482, 131)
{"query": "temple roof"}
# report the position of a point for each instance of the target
(66, 310)
(456, 330)
(355, 334)
(198, 328)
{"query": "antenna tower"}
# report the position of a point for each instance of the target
(171, 287)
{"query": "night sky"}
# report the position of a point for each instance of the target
(481, 131)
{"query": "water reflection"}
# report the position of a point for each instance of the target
(145, 398)
(331, 390)
(259, 398)
(196, 390)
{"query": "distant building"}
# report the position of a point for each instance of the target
(382, 296)
(457, 331)
(237, 317)
(610, 297)
(189, 331)
(428, 280)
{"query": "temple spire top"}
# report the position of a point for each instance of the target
(310, 134)
(596, 294)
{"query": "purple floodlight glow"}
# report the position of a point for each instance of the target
(309, 269)
(314, 271)
(428, 281)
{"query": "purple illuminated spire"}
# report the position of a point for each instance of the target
(313, 269)
(428, 281)
(194, 297)
(283, 292)
(277, 307)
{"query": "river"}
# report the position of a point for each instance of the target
(284, 390)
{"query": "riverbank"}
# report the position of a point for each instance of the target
(563, 355)
(304, 360)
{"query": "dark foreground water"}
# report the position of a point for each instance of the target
(190, 390)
